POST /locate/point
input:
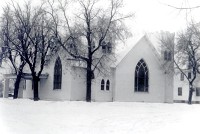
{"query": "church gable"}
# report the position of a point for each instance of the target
(127, 80)
(143, 46)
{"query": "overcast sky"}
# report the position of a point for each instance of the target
(155, 15)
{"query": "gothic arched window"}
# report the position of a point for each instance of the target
(108, 85)
(109, 47)
(57, 74)
(102, 84)
(141, 77)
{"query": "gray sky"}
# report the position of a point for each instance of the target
(155, 15)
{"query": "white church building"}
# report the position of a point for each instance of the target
(138, 75)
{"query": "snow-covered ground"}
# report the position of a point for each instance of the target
(24, 116)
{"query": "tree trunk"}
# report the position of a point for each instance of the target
(18, 79)
(17, 83)
(190, 95)
(35, 86)
(89, 83)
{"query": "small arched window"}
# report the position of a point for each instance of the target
(141, 77)
(102, 84)
(103, 47)
(57, 74)
(169, 56)
(108, 85)
(165, 55)
(109, 49)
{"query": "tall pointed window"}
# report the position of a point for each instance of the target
(102, 84)
(57, 74)
(109, 47)
(141, 77)
(165, 55)
(169, 56)
(189, 75)
(108, 85)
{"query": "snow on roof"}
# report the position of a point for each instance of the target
(123, 49)
(153, 39)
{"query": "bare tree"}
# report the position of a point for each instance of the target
(33, 39)
(183, 8)
(186, 54)
(8, 52)
(92, 36)
(187, 7)
(167, 43)
(184, 5)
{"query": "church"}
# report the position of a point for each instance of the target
(137, 75)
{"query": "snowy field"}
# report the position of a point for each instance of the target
(24, 116)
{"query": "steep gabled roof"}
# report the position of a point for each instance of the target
(122, 52)
(154, 44)
(132, 43)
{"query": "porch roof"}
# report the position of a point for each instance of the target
(24, 75)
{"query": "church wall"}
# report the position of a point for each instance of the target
(78, 82)
(47, 92)
(106, 73)
(125, 75)
(169, 86)
(168, 68)
(197, 84)
(21, 88)
(113, 83)
(102, 95)
(28, 92)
